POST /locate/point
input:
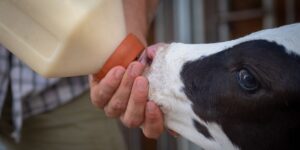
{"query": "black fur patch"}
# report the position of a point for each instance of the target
(265, 119)
(202, 129)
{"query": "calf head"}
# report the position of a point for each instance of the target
(240, 94)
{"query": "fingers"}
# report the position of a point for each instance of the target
(102, 92)
(124, 93)
(134, 115)
(118, 103)
(153, 123)
(143, 58)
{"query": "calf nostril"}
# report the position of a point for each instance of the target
(145, 59)
(149, 61)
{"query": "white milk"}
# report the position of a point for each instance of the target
(60, 38)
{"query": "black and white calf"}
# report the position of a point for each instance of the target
(239, 94)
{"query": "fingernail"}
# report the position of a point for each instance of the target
(118, 73)
(133, 70)
(142, 57)
(150, 107)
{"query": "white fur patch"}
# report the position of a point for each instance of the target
(165, 85)
(166, 90)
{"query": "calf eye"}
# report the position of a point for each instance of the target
(246, 80)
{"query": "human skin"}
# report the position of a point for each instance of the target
(123, 92)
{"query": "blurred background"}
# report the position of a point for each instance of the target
(203, 21)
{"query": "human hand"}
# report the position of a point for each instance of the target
(123, 93)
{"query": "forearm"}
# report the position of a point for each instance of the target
(129, 85)
(138, 16)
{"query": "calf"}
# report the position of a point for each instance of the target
(239, 94)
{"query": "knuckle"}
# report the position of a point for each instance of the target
(110, 113)
(99, 97)
(132, 123)
(139, 100)
(127, 82)
(98, 104)
(108, 84)
(103, 96)
(118, 106)
(107, 88)
(152, 116)
(140, 90)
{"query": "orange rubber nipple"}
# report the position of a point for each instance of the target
(125, 53)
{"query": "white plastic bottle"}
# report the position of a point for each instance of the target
(59, 38)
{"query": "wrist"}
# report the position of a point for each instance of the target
(136, 17)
